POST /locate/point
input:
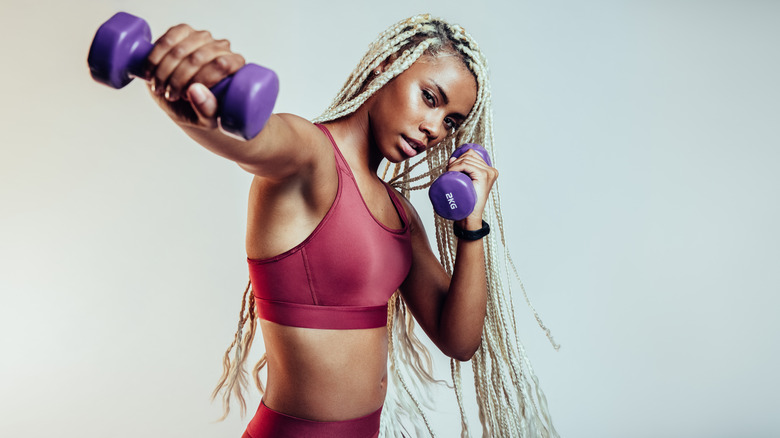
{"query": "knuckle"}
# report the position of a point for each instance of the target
(178, 52)
(158, 80)
(198, 57)
(222, 64)
(176, 82)
(204, 34)
(166, 41)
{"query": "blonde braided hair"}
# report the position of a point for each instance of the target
(511, 403)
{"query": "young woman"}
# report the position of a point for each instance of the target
(330, 244)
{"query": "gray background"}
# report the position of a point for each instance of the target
(638, 150)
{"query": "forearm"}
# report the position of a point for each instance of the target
(270, 154)
(223, 144)
(465, 305)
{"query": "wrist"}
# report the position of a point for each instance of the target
(469, 223)
(471, 234)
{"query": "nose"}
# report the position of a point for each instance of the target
(432, 127)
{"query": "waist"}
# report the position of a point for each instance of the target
(325, 375)
(268, 422)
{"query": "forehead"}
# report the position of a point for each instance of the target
(448, 72)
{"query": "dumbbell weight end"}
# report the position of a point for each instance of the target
(119, 50)
(452, 194)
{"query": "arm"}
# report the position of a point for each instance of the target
(452, 311)
(181, 67)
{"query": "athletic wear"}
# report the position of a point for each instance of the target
(343, 274)
(268, 423)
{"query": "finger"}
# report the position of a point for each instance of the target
(208, 74)
(182, 62)
(204, 103)
(163, 45)
(207, 64)
(476, 169)
(221, 66)
(180, 53)
(468, 164)
(470, 153)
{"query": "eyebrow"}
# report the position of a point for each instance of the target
(441, 91)
(446, 99)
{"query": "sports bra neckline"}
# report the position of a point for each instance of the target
(393, 197)
(343, 166)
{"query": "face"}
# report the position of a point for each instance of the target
(419, 107)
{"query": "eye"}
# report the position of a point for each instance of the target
(428, 97)
(450, 124)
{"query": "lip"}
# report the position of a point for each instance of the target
(414, 145)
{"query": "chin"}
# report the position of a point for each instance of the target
(395, 155)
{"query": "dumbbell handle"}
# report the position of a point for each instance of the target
(452, 194)
(122, 45)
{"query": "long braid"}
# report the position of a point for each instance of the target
(234, 376)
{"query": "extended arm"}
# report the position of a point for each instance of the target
(181, 67)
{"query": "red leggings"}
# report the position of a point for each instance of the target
(268, 423)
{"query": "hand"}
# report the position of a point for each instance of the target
(482, 176)
(181, 67)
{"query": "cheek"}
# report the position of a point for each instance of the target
(400, 102)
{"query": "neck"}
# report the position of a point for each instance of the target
(353, 135)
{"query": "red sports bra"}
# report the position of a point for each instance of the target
(343, 274)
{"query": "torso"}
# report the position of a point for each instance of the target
(323, 375)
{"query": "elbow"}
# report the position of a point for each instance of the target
(463, 357)
(464, 353)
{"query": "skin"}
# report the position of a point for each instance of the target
(334, 375)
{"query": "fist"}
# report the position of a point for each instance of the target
(482, 175)
(182, 66)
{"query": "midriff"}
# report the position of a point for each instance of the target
(325, 375)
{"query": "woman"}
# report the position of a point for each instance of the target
(329, 243)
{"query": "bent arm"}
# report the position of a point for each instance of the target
(451, 311)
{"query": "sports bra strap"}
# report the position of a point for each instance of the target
(341, 162)
(397, 203)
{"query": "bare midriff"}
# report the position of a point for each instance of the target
(325, 375)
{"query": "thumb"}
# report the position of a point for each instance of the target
(204, 103)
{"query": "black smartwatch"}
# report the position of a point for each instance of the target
(460, 233)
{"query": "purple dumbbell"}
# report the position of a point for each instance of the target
(452, 194)
(119, 51)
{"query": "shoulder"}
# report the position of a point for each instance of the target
(296, 128)
(305, 135)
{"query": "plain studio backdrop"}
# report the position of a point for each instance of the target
(638, 147)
